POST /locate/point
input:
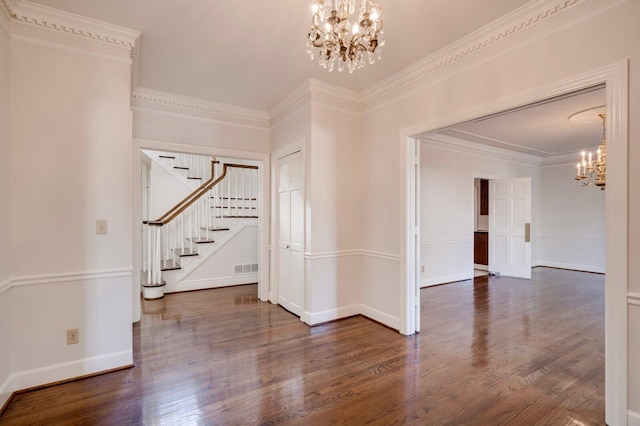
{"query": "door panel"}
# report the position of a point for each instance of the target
(291, 234)
(509, 212)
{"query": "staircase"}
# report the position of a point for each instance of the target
(222, 201)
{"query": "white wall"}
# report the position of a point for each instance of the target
(70, 164)
(218, 270)
(573, 233)
(5, 248)
(186, 130)
(447, 206)
(165, 191)
(335, 200)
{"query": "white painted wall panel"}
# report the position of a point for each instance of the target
(41, 314)
(70, 164)
(240, 250)
(573, 231)
(5, 226)
(190, 130)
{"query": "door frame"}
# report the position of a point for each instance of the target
(264, 222)
(615, 77)
(474, 176)
(289, 149)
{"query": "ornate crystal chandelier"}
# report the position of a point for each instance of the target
(337, 40)
(590, 171)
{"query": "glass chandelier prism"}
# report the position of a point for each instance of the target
(342, 41)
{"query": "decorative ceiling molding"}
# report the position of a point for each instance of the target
(473, 137)
(564, 159)
(288, 104)
(155, 99)
(335, 93)
(472, 148)
(503, 28)
(72, 24)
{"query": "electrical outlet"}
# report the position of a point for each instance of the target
(101, 226)
(73, 336)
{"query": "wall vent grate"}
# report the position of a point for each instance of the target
(246, 268)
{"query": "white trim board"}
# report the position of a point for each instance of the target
(209, 283)
(67, 370)
(428, 282)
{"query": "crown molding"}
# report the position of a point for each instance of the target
(472, 148)
(69, 23)
(290, 103)
(163, 101)
(563, 159)
(6, 14)
(335, 93)
(513, 23)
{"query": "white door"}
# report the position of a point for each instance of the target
(510, 227)
(291, 237)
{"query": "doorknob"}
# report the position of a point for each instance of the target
(287, 246)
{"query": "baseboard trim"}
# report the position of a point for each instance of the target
(633, 418)
(572, 267)
(316, 318)
(6, 394)
(56, 373)
(380, 317)
(322, 317)
(445, 279)
(208, 283)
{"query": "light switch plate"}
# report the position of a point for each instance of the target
(101, 226)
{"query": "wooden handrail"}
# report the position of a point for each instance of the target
(197, 194)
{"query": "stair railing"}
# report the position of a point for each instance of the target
(193, 218)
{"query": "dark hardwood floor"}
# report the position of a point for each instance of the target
(493, 351)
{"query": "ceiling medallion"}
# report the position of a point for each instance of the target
(338, 41)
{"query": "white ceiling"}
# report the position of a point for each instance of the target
(542, 129)
(252, 54)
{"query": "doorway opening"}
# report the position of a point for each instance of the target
(615, 80)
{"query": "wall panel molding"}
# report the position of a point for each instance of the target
(633, 299)
(68, 277)
(347, 253)
(5, 285)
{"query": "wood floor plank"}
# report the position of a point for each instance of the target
(495, 351)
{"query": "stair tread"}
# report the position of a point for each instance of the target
(235, 217)
(234, 207)
(235, 198)
(169, 265)
(201, 240)
(212, 229)
(185, 252)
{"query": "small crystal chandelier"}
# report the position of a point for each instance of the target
(589, 171)
(338, 41)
